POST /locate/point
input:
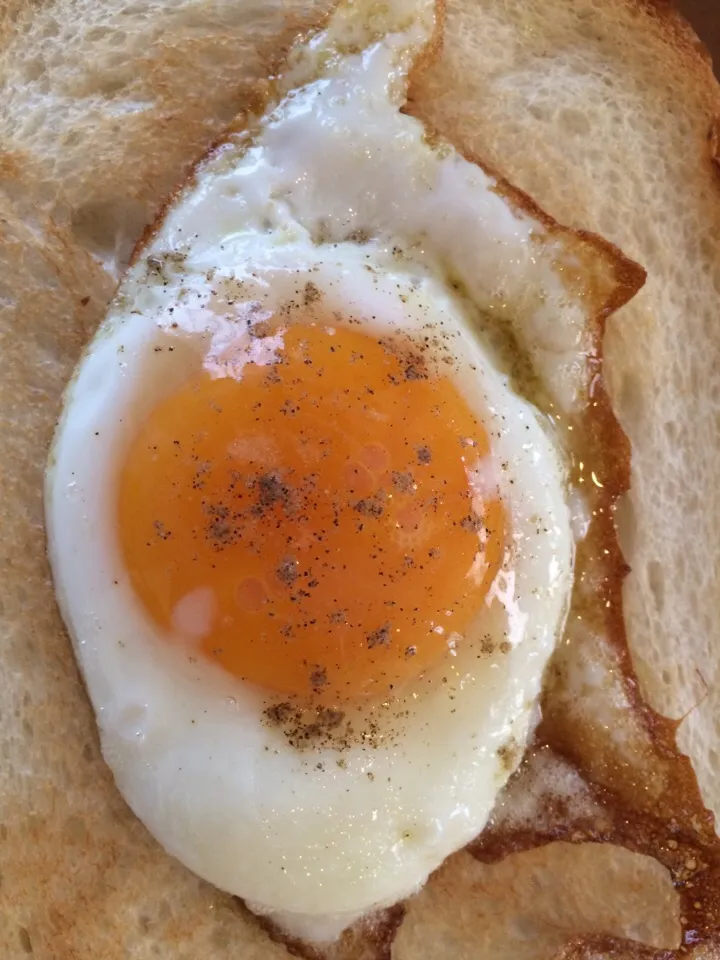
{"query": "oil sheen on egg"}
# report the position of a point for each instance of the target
(313, 549)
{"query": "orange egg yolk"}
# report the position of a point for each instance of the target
(310, 525)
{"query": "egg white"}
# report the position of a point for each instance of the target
(339, 190)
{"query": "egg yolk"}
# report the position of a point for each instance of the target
(311, 524)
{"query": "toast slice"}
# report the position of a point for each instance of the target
(604, 115)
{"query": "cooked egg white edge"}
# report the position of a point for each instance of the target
(186, 742)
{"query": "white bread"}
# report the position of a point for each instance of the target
(104, 107)
(615, 135)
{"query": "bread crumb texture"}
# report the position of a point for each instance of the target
(602, 112)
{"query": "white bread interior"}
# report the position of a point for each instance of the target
(602, 113)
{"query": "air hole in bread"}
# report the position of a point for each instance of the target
(116, 60)
(647, 240)
(656, 582)
(75, 830)
(50, 28)
(36, 119)
(215, 56)
(709, 248)
(98, 33)
(220, 937)
(672, 431)
(629, 399)
(116, 38)
(113, 84)
(72, 138)
(109, 229)
(524, 928)
(6, 300)
(574, 121)
(33, 70)
(539, 111)
(101, 79)
(588, 30)
(24, 940)
(134, 10)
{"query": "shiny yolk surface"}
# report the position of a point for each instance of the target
(311, 525)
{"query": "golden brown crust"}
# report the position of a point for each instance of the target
(622, 279)
(686, 848)
(625, 277)
(612, 948)
(679, 31)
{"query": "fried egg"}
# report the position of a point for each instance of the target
(309, 537)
